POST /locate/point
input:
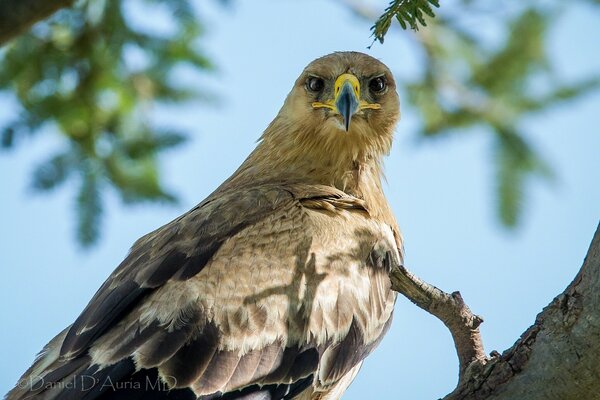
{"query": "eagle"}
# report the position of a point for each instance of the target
(275, 286)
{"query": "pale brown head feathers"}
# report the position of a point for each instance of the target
(308, 139)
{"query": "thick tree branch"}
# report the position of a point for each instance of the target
(556, 358)
(16, 16)
(450, 309)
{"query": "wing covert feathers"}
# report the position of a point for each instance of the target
(260, 293)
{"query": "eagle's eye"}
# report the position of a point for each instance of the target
(315, 84)
(377, 85)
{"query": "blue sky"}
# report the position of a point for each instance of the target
(441, 192)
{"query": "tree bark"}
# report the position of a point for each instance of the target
(450, 309)
(557, 358)
(16, 16)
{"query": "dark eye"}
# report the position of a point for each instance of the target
(377, 85)
(315, 84)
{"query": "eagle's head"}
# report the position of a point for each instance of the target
(347, 92)
(339, 116)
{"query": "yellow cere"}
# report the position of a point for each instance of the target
(342, 79)
(337, 87)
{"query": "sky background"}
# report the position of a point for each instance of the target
(442, 192)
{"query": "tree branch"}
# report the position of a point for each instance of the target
(16, 16)
(450, 309)
(556, 358)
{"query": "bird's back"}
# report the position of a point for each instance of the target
(293, 298)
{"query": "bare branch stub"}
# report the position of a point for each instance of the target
(451, 310)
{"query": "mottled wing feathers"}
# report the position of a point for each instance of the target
(178, 250)
(257, 294)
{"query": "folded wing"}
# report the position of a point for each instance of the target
(259, 294)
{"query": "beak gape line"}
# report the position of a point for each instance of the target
(347, 100)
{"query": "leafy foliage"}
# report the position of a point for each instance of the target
(407, 13)
(467, 83)
(73, 74)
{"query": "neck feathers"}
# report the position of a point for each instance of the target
(298, 153)
(326, 155)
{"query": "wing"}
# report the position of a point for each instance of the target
(260, 293)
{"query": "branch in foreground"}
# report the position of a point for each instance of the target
(557, 357)
(451, 310)
(16, 16)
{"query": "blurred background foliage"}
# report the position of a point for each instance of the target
(89, 74)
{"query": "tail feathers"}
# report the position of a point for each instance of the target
(77, 380)
(52, 377)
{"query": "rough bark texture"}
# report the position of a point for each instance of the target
(558, 357)
(16, 16)
(450, 309)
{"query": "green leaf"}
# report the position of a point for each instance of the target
(407, 13)
(52, 173)
(137, 180)
(516, 162)
(89, 208)
(147, 146)
(73, 76)
(8, 137)
(511, 65)
(558, 94)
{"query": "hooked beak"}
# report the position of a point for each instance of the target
(346, 101)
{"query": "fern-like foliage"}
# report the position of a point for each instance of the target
(408, 13)
(74, 75)
(467, 84)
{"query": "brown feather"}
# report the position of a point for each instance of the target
(276, 283)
